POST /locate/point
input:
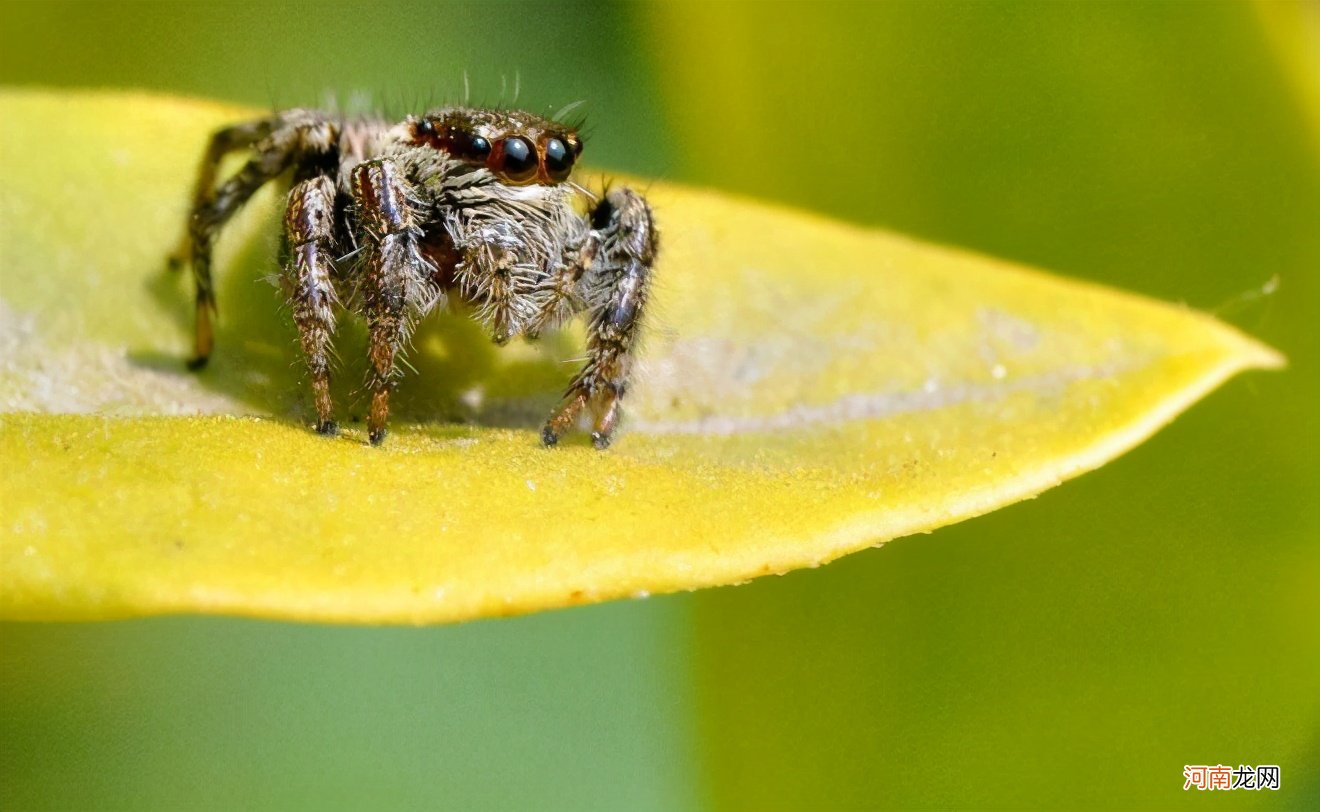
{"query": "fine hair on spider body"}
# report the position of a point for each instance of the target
(471, 203)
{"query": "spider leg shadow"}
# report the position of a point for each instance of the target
(453, 371)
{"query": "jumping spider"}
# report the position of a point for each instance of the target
(390, 220)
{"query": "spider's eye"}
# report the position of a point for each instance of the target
(478, 149)
(558, 160)
(424, 127)
(518, 161)
(468, 147)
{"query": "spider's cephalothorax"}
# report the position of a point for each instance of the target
(392, 219)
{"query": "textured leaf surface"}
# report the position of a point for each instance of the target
(807, 389)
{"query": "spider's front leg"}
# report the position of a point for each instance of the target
(616, 298)
(309, 224)
(396, 290)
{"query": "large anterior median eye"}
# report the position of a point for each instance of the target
(517, 160)
(558, 160)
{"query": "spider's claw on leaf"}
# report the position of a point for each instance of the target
(197, 363)
(377, 436)
(549, 438)
(327, 428)
(562, 420)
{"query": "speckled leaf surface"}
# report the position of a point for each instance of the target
(807, 389)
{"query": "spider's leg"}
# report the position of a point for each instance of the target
(617, 290)
(204, 227)
(223, 142)
(309, 225)
(299, 134)
(397, 288)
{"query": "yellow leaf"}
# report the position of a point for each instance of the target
(807, 389)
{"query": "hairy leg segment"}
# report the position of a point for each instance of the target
(276, 145)
(396, 290)
(617, 291)
(223, 142)
(309, 233)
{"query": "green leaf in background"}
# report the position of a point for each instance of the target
(1078, 651)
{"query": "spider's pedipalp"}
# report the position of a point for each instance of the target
(562, 292)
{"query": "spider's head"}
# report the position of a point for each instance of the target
(519, 148)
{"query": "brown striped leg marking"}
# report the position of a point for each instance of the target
(395, 290)
(309, 222)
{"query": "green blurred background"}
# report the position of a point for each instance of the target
(1072, 651)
